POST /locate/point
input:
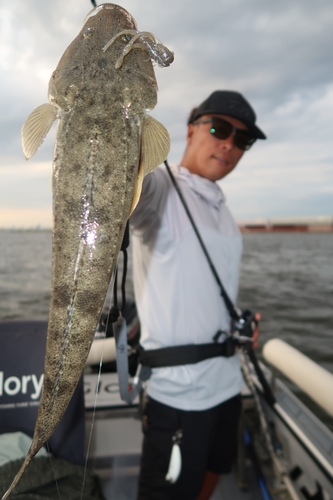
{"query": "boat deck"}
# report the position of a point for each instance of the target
(115, 447)
(125, 488)
(303, 443)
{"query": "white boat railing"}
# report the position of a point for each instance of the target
(313, 379)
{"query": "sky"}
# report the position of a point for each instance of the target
(278, 54)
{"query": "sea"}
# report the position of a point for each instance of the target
(287, 277)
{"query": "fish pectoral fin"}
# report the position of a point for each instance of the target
(36, 127)
(155, 147)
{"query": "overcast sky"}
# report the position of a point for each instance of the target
(278, 54)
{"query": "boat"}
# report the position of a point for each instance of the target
(284, 450)
(299, 465)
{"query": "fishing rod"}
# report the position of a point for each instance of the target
(242, 321)
(278, 463)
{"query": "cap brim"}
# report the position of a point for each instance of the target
(255, 131)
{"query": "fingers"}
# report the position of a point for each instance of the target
(256, 333)
(255, 338)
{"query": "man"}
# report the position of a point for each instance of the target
(179, 302)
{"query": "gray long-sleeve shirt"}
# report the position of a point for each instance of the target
(177, 296)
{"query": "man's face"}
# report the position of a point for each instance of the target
(208, 156)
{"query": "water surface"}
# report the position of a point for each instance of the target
(288, 277)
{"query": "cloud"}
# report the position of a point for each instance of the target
(277, 53)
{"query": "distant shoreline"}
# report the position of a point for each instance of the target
(27, 229)
(314, 224)
(243, 229)
(297, 228)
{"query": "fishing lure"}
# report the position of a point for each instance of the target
(144, 40)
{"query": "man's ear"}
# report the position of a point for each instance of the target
(190, 132)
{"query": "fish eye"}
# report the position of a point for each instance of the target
(88, 33)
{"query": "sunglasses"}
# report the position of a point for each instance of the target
(222, 129)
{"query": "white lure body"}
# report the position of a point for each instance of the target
(175, 464)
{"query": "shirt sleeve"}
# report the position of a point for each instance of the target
(153, 198)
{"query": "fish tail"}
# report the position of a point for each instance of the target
(30, 455)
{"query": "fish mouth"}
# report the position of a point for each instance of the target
(110, 6)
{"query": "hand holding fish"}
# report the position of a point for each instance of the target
(106, 143)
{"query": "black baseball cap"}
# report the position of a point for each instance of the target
(229, 103)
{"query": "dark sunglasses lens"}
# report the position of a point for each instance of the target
(243, 140)
(220, 129)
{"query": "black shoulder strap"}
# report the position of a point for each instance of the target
(115, 310)
(230, 306)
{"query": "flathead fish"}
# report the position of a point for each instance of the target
(106, 143)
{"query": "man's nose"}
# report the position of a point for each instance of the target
(228, 143)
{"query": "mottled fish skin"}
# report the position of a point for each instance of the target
(98, 152)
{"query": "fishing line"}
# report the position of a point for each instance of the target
(93, 417)
(108, 301)
(53, 469)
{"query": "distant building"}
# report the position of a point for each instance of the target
(315, 224)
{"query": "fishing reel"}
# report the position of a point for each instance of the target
(243, 327)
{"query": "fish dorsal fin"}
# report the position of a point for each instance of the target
(36, 127)
(155, 147)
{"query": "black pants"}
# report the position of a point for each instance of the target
(208, 443)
